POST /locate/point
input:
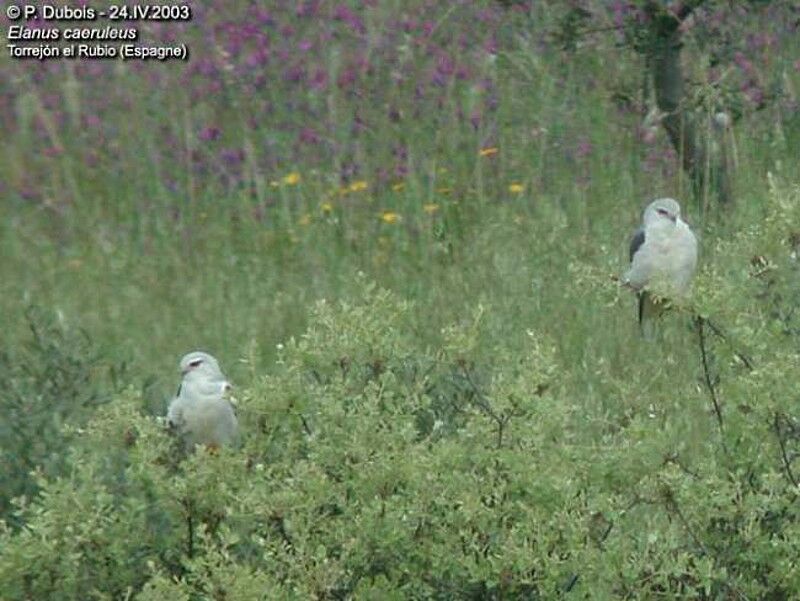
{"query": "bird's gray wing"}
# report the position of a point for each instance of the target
(645, 304)
(636, 243)
(175, 419)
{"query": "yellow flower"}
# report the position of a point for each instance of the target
(516, 188)
(399, 186)
(305, 219)
(430, 208)
(292, 178)
(390, 217)
(487, 152)
(326, 207)
(358, 186)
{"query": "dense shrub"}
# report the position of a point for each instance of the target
(51, 385)
(493, 427)
(374, 468)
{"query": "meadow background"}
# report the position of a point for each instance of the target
(396, 225)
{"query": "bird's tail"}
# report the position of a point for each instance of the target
(650, 308)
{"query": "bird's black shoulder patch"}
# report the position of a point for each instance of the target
(636, 242)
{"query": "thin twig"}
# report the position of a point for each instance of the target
(673, 508)
(701, 321)
(748, 363)
(675, 460)
(279, 523)
(482, 401)
(573, 579)
(306, 427)
(484, 404)
(187, 505)
(787, 465)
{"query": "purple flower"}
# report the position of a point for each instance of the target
(753, 93)
(349, 170)
(319, 80)
(307, 9)
(308, 136)
(485, 16)
(358, 124)
(346, 78)
(209, 133)
(257, 58)
(204, 67)
(295, 73)
(743, 63)
(475, 119)
(444, 70)
(584, 148)
(262, 16)
(92, 121)
(620, 10)
(231, 156)
(29, 193)
(344, 14)
(400, 152)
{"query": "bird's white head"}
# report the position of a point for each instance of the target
(662, 210)
(200, 365)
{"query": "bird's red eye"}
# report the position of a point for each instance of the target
(195, 363)
(663, 212)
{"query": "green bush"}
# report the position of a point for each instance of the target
(372, 467)
(55, 379)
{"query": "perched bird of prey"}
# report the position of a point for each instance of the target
(200, 413)
(663, 256)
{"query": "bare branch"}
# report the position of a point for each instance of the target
(700, 321)
(787, 464)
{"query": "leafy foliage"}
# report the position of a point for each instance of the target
(51, 385)
(372, 467)
(481, 422)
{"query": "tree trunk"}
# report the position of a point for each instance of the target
(706, 169)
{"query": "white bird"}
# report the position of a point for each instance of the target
(200, 413)
(663, 256)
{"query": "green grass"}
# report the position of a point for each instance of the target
(153, 259)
